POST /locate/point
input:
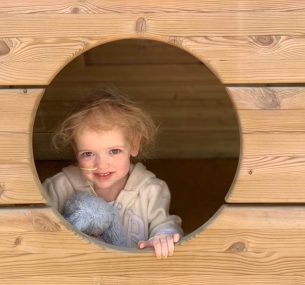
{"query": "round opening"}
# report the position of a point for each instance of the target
(198, 142)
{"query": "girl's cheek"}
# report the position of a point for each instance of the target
(85, 162)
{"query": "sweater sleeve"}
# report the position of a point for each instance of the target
(59, 190)
(159, 219)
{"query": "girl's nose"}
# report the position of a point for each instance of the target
(101, 161)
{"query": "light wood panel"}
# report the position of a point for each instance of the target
(18, 181)
(238, 59)
(18, 108)
(19, 184)
(136, 6)
(238, 243)
(123, 25)
(229, 39)
(273, 149)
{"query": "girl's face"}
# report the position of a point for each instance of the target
(105, 159)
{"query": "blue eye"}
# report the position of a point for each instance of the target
(115, 151)
(87, 154)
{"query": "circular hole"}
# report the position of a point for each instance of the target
(198, 143)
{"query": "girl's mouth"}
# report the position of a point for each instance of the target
(102, 175)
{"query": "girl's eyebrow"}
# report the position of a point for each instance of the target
(117, 146)
(84, 150)
(111, 147)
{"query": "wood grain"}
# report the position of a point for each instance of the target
(18, 180)
(136, 6)
(122, 25)
(19, 184)
(239, 241)
(229, 40)
(268, 98)
(234, 59)
(272, 153)
(17, 108)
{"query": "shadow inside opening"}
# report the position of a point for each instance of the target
(198, 145)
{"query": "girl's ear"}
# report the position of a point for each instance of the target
(135, 147)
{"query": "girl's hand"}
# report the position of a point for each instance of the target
(162, 244)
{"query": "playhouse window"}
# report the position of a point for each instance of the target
(198, 144)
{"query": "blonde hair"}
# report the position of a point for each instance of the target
(104, 110)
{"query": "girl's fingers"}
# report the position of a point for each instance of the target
(144, 243)
(164, 245)
(158, 248)
(170, 246)
(176, 237)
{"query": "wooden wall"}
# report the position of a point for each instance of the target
(194, 112)
(256, 48)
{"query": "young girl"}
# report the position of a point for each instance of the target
(106, 134)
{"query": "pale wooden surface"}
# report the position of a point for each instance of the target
(227, 37)
(242, 42)
(239, 243)
(273, 150)
(18, 181)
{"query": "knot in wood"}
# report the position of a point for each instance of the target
(2, 189)
(265, 40)
(43, 224)
(268, 99)
(17, 241)
(75, 10)
(141, 25)
(4, 48)
(177, 41)
(237, 247)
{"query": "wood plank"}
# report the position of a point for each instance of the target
(269, 121)
(272, 159)
(267, 98)
(17, 108)
(243, 52)
(19, 184)
(198, 279)
(248, 59)
(15, 147)
(18, 181)
(136, 6)
(41, 58)
(123, 25)
(232, 65)
(239, 243)
(274, 144)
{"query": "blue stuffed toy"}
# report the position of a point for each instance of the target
(92, 215)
